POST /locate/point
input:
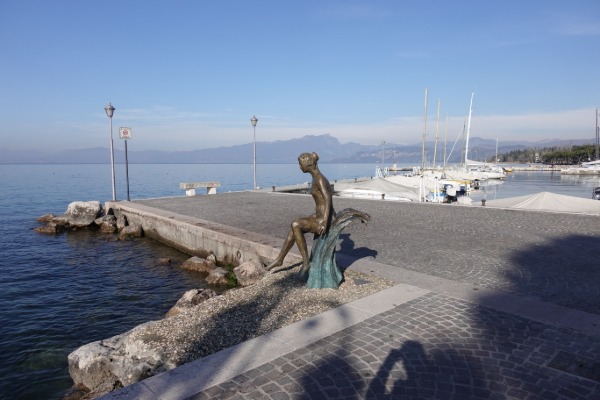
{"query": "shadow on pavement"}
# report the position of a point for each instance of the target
(438, 346)
(565, 271)
(347, 247)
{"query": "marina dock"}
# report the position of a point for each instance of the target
(489, 303)
(537, 168)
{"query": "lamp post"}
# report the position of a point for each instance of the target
(253, 121)
(383, 155)
(110, 111)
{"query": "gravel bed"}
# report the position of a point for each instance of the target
(279, 299)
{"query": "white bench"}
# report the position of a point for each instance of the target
(190, 187)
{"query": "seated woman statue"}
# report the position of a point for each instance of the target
(318, 223)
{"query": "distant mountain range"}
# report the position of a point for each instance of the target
(329, 148)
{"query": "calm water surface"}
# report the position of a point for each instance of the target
(527, 183)
(59, 292)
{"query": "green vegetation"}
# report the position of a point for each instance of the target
(551, 155)
(231, 278)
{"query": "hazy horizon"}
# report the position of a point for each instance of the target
(119, 146)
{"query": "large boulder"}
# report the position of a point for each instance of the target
(54, 224)
(50, 228)
(146, 350)
(131, 231)
(83, 213)
(105, 365)
(199, 264)
(249, 272)
(105, 219)
(122, 222)
(46, 218)
(108, 228)
(107, 223)
(190, 299)
(218, 277)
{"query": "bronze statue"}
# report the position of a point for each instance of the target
(318, 223)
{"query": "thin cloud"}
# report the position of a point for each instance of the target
(574, 124)
(170, 134)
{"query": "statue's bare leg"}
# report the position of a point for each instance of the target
(301, 242)
(287, 246)
(296, 234)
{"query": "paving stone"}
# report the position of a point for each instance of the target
(435, 346)
(423, 367)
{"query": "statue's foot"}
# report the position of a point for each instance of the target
(303, 273)
(274, 264)
(303, 276)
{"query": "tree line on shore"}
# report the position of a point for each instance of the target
(551, 155)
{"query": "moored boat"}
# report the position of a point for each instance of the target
(586, 168)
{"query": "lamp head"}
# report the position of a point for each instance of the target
(254, 120)
(109, 110)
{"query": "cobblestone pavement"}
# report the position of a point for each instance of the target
(434, 347)
(548, 256)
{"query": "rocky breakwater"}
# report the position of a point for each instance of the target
(102, 366)
(87, 214)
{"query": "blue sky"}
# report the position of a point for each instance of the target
(191, 74)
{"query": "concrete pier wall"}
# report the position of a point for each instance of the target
(199, 237)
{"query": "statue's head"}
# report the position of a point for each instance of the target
(307, 160)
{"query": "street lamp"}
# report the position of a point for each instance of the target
(110, 111)
(383, 155)
(253, 121)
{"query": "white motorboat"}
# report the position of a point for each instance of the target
(586, 168)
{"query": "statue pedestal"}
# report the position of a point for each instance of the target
(324, 272)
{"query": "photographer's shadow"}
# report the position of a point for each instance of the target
(401, 366)
(351, 253)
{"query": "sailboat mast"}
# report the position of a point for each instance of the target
(424, 134)
(445, 140)
(462, 149)
(437, 128)
(468, 130)
(421, 183)
(597, 136)
(496, 160)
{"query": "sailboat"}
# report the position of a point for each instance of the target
(590, 167)
(474, 170)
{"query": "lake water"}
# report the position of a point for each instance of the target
(530, 182)
(59, 292)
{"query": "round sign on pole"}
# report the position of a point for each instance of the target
(125, 133)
